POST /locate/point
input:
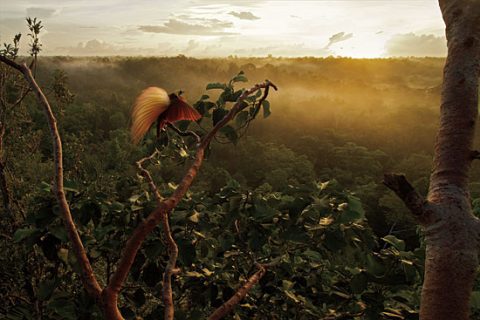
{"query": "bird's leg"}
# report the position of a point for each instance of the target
(160, 125)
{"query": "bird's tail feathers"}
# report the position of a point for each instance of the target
(149, 105)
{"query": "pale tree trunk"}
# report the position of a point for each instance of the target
(452, 233)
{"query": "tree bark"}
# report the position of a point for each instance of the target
(452, 236)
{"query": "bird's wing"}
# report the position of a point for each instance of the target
(181, 110)
(150, 104)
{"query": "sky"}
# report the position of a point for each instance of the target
(200, 28)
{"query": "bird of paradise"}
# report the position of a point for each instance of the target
(155, 104)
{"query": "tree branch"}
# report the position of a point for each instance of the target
(88, 278)
(13, 64)
(406, 192)
(170, 269)
(166, 206)
(184, 133)
(241, 293)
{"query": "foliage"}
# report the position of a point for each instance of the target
(300, 190)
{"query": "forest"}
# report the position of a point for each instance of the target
(298, 189)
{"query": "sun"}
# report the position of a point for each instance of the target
(361, 46)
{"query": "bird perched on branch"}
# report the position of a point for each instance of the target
(155, 104)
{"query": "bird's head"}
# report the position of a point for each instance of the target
(178, 95)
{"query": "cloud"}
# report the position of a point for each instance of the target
(244, 15)
(292, 50)
(41, 12)
(411, 44)
(101, 48)
(198, 27)
(338, 37)
(192, 45)
(92, 47)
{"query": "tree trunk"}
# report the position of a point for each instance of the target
(452, 236)
(452, 232)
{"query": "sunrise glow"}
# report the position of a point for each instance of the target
(199, 28)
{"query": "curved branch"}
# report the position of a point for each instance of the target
(88, 277)
(166, 206)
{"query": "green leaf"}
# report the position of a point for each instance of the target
(134, 198)
(117, 206)
(334, 240)
(292, 296)
(22, 234)
(62, 254)
(240, 78)
(44, 186)
(374, 266)
(186, 252)
(313, 255)
(216, 85)
(230, 133)
(71, 186)
(266, 108)
(241, 118)
(358, 283)
(65, 309)
(354, 204)
(287, 285)
(45, 289)
(194, 274)
(59, 232)
(399, 244)
(218, 115)
(195, 217)
(353, 212)
(183, 153)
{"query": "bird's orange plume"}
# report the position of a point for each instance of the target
(155, 104)
(150, 104)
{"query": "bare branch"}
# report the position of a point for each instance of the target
(88, 278)
(405, 191)
(166, 206)
(145, 173)
(12, 64)
(475, 154)
(241, 293)
(185, 133)
(170, 269)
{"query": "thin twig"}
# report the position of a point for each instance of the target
(145, 173)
